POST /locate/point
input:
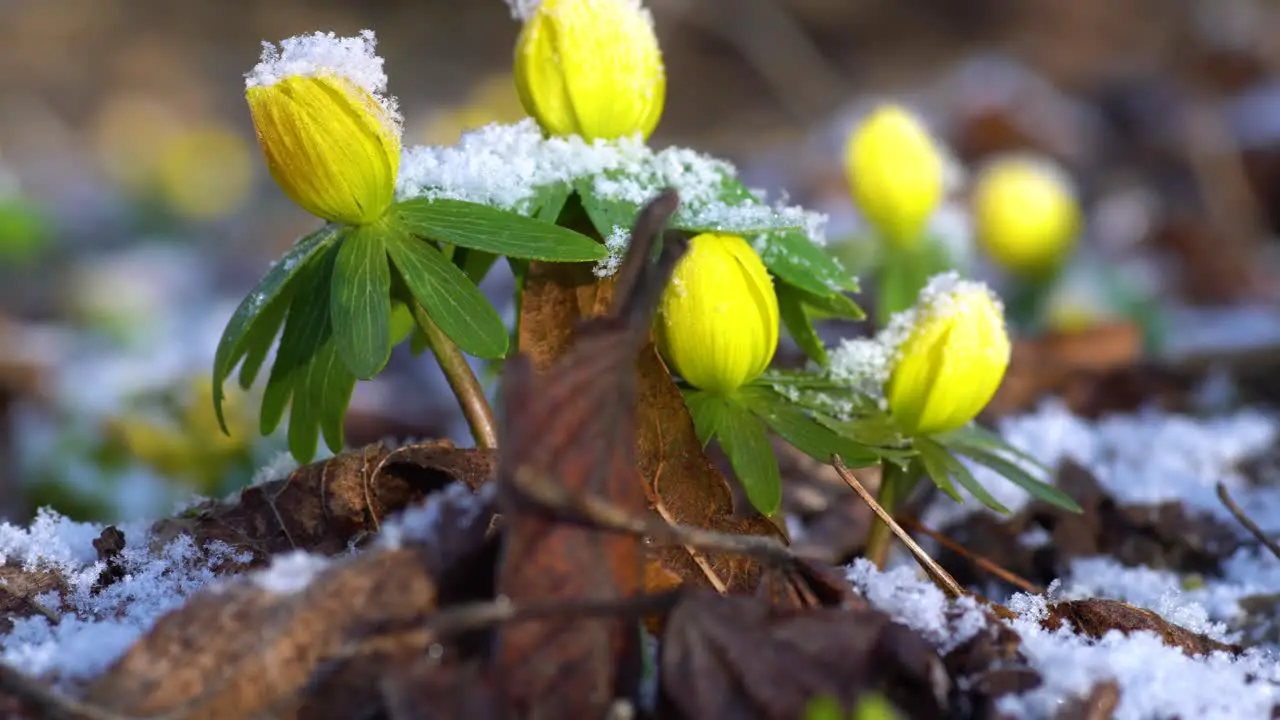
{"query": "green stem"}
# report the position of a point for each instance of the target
(466, 387)
(895, 485)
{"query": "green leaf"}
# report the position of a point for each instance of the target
(799, 324)
(708, 413)
(836, 305)
(742, 437)
(958, 471)
(306, 330)
(261, 335)
(801, 430)
(475, 264)
(794, 258)
(260, 306)
(550, 201)
(360, 302)
(605, 213)
(934, 460)
(451, 300)
(1035, 487)
(980, 438)
(481, 227)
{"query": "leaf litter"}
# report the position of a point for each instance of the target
(381, 581)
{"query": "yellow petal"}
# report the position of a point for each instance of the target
(1026, 214)
(718, 321)
(591, 68)
(896, 173)
(952, 358)
(329, 144)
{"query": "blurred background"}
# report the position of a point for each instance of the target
(136, 211)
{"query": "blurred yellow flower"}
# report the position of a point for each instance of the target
(1026, 214)
(330, 145)
(896, 172)
(206, 172)
(718, 320)
(952, 353)
(591, 68)
(493, 99)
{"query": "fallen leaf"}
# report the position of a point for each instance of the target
(249, 646)
(1096, 617)
(742, 657)
(322, 507)
(574, 425)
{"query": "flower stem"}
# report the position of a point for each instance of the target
(466, 387)
(895, 485)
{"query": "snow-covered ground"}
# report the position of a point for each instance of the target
(1139, 458)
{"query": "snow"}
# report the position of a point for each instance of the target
(320, 54)
(96, 626)
(290, 572)
(918, 605)
(505, 166)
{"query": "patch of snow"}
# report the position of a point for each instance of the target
(95, 627)
(278, 468)
(290, 572)
(505, 166)
(1154, 680)
(918, 604)
(1194, 454)
(423, 523)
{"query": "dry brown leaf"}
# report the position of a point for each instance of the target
(735, 657)
(242, 649)
(323, 506)
(1096, 617)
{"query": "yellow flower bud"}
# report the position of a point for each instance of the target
(1026, 214)
(591, 68)
(331, 142)
(718, 320)
(896, 172)
(952, 352)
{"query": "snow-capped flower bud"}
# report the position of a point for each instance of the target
(718, 321)
(331, 140)
(952, 353)
(591, 68)
(896, 172)
(1026, 214)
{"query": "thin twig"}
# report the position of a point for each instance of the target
(47, 702)
(534, 487)
(1244, 520)
(939, 576)
(983, 563)
(699, 558)
(462, 380)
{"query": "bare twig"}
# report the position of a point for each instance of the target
(939, 576)
(47, 702)
(534, 487)
(983, 563)
(1244, 520)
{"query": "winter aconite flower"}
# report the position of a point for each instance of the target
(591, 68)
(896, 173)
(331, 140)
(718, 322)
(951, 355)
(1026, 214)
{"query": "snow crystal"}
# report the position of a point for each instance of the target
(278, 468)
(523, 9)
(866, 363)
(290, 572)
(507, 165)
(96, 625)
(918, 604)
(425, 522)
(1155, 680)
(352, 58)
(616, 244)
(1194, 455)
